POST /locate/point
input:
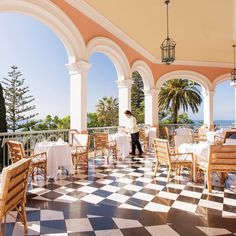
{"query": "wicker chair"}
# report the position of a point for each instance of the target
(174, 161)
(101, 142)
(39, 160)
(222, 158)
(13, 191)
(143, 138)
(80, 149)
(200, 136)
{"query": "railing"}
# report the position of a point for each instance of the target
(29, 139)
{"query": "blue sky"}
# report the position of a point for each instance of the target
(41, 57)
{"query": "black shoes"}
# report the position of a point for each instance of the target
(133, 154)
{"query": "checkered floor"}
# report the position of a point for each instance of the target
(124, 198)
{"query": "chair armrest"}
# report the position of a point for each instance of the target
(37, 154)
(183, 153)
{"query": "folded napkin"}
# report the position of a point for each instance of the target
(45, 142)
(60, 140)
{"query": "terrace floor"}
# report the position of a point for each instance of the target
(124, 198)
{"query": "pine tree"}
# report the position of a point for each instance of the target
(137, 97)
(17, 101)
(3, 121)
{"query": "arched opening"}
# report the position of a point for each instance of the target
(41, 57)
(120, 62)
(102, 92)
(138, 98)
(224, 95)
(205, 86)
(147, 93)
(60, 24)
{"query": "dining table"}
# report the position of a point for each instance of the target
(58, 155)
(200, 152)
(152, 134)
(122, 143)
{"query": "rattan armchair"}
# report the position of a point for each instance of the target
(174, 161)
(221, 158)
(80, 149)
(13, 191)
(39, 160)
(143, 138)
(200, 136)
(102, 143)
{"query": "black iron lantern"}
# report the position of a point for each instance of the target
(233, 72)
(168, 45)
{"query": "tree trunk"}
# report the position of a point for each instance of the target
(175, 115)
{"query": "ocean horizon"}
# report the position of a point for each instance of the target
(216, 122)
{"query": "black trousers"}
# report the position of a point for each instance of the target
(135, 142)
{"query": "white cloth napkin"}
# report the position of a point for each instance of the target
(60, 140)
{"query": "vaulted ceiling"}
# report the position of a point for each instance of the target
(202, 29)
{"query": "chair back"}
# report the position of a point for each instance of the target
(80, 139)
(165, 132)
(161, 147)
(229, 134)
(222, 158)
(100, 140)
(143, 135)
(202, 131)
(14, 185)
(180, 139)
(184, 131)
(16, 150)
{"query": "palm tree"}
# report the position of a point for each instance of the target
(107, 111)
(177, 94)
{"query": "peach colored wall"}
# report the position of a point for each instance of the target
(90, 29)
(209, 72)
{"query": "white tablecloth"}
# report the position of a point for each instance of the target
(210, 135)
(199, 150)
(152, 134)
(122, 142)
(58, 154)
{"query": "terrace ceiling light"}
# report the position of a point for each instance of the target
(168, 45)
(233, 72)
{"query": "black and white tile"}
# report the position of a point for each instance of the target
(125, 198)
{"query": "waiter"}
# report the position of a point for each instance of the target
(132, 128)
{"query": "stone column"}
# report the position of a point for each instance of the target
(151, 107)
(78, 94)
(208, 108)
(124, 87)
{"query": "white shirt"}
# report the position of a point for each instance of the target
(132, 125)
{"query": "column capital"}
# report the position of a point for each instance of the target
(127, 83)
(78, 67)
(151, 91)
(208, 93)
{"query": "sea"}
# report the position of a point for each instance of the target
(219, 123)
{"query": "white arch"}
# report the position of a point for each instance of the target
(192, 75)
(145, 72)
(52, 16)
(221, 79)
(114, 52)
